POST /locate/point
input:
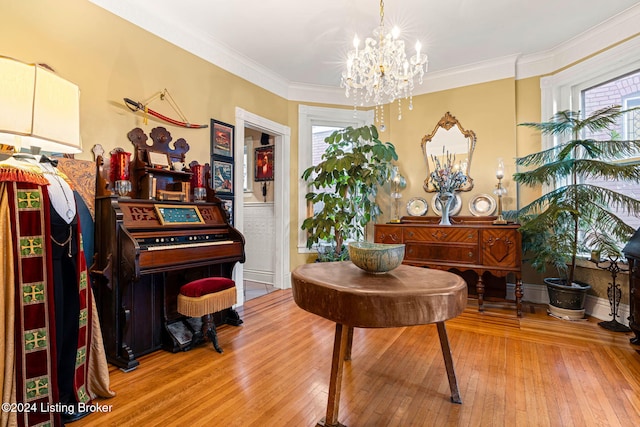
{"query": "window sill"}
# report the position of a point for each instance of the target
(584, 262)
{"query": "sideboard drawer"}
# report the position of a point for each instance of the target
(441, 253)
(440, 234)
(387, 234)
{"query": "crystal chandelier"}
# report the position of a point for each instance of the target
(381, 73)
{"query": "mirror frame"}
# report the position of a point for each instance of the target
(447, 122)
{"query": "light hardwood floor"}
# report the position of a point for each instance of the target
(533, 371)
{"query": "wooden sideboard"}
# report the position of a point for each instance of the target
(472, 247)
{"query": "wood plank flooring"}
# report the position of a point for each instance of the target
(534, 371)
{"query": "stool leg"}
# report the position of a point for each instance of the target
(209, 330)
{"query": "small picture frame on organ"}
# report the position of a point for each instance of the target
(158, 160)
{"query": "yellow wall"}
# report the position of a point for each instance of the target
(109, 59)
(487, 109)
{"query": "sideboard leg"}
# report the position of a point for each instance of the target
(448, 362)
(480, 291)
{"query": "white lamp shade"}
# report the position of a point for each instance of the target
(38, 108)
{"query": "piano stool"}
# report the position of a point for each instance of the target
(202, 298)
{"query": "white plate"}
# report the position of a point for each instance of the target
(456, 206)
(482, 205)
(417, 206)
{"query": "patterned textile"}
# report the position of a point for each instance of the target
(35, 343)
(28, 370)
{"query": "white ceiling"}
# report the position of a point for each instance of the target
(285, 44)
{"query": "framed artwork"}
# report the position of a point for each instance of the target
(221, 138)
(222, 177)
(264, 164)
(227, 205)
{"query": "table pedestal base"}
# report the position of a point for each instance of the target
(342, 351)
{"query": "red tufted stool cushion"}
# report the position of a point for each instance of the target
(205, 286)
(206, 296)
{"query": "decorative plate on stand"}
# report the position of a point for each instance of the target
(482, 205)
(417, 206)
(456, 206)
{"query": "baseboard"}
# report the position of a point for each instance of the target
(594, 306)
(259, 276)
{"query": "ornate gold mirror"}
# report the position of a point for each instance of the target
(449, 137)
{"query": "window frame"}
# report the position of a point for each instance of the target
(563, 90)
(309, 116)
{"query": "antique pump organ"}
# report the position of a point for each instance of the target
(152, 241)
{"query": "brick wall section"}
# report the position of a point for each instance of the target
(615, 93)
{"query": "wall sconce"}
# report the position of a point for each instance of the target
(500, 191)
(38, 109)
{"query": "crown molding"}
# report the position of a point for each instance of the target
(204, 47)
(618, 28)
(612, 31)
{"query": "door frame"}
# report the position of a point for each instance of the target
(281, 199)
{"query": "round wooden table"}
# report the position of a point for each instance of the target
(351, 297)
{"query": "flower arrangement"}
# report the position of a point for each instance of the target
(447, 177)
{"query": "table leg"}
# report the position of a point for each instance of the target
(347, 354)
(448, 362)
(335, 381)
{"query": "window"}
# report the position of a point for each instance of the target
(623, 91)
(609, 78)
(315, 124)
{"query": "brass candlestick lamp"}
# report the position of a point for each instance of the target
(500, 191)
(398, 182)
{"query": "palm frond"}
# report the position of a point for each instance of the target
(549, 223)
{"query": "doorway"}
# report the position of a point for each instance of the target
(246, 124)
(259, 212)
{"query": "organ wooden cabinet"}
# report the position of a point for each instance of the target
(149, 244)
(482, 253)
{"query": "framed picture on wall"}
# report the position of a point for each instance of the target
(221, 138)
(227, 205)
(264, 164)
(222, 177)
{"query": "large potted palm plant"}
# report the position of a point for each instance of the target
(578, 214)
(344, 187)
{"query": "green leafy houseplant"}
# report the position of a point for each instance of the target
(345, 183)
(577, 215)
